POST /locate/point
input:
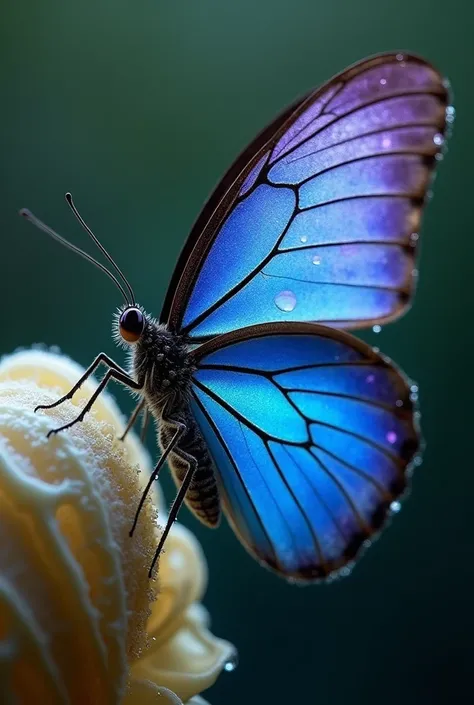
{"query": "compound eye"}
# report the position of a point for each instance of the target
(131, 325)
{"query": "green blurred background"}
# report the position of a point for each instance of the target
(138, 108)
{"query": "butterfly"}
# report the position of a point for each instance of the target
(266, 408)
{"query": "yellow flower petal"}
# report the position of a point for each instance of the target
(144, 692)
(182, 581)
(190, 660)
(72, 611)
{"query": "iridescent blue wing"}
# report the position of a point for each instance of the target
(312, 434)
(318, 220)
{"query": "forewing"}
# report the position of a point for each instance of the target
(312, 434)
(318, 220)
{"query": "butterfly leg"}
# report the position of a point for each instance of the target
(145, 422)
(119, 376)
(133, 418)
(180, 429)
(192, 467)
(102, 357)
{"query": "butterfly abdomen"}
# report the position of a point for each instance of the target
(202, 498)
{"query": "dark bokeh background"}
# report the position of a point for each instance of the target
(138, 108)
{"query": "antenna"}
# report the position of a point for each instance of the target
(81, 220)
(28, 215)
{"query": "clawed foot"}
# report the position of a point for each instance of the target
(51, 406)
(55, 403)
(63, 428)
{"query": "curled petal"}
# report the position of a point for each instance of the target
(143, 692)
(190, 660)
(182, 581)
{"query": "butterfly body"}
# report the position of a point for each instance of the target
(162, 365)
(264, 405)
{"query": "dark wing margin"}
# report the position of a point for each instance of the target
(282, 158)
(313, 435)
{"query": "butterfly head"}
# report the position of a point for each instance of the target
(131, 324)
(131, 328)
(134, 329)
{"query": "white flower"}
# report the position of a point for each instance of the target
(80, 622)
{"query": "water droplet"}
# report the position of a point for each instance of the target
(316, 260)
(414, 273)
(386, 142)
(399, 403)
(377, 328)
(414, 237)
(450, 114)
(370, 378)
(232, 662)
(438, 139)
(395, 507)
(391, 437)
(153, 638)
(417, 460)
(285, 300)
(439, 157)
(376, 349)
(399, 57)
(383, 81)
(304, 238)
(414, 392)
